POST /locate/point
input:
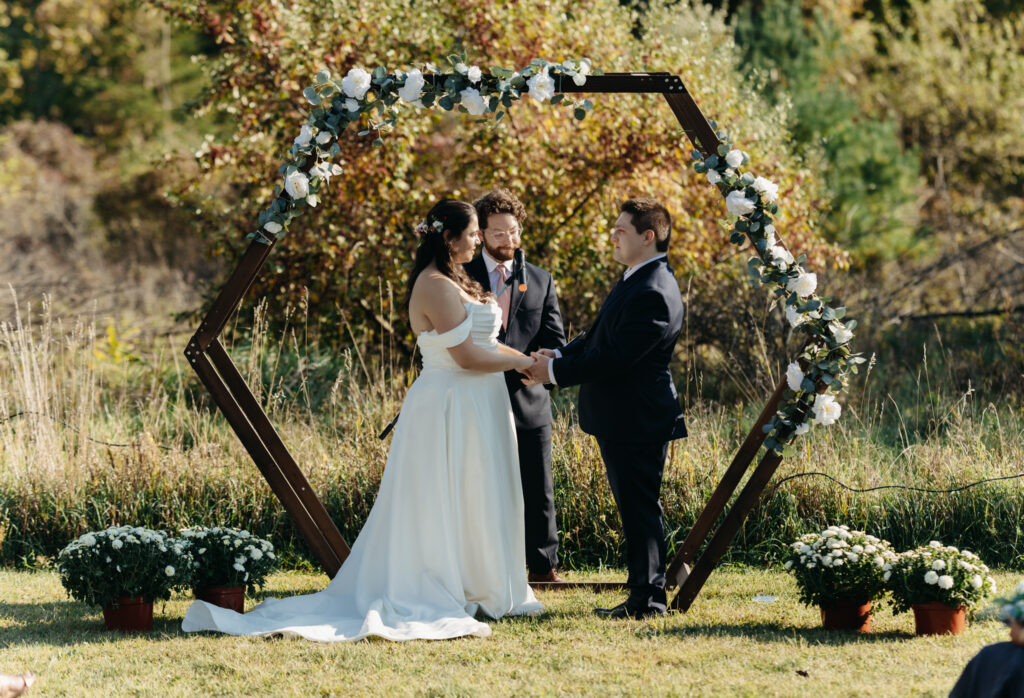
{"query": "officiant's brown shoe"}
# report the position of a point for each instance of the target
(552, 577)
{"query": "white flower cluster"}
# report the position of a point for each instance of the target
(378, 97)
(942, 572)
(218, 550)
(100, 566)
(837, 546)
(826, 358)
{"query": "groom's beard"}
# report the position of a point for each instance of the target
(501, 254)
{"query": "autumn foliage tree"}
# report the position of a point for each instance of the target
(570, 174)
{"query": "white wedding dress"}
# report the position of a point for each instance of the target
(444, 540)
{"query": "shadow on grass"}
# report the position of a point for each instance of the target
(776, 632)
(62, 623)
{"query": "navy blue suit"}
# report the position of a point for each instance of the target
(534, 323)
(628, 401)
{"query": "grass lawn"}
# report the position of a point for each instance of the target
(728, 644)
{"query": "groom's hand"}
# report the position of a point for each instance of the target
(538, 372)
(549, 353)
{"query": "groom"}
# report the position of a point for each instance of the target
(530, 320)
(627, 399)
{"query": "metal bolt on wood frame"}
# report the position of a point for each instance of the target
(243, 412)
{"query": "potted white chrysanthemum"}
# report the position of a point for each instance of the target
(940, 583)
(225, 561)
(842, 572)
(123, 570)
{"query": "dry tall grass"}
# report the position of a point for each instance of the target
(69, 391)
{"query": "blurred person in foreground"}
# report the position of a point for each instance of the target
(997, 671)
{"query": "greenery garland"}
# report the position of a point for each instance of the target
(823, 365)
(379, 96)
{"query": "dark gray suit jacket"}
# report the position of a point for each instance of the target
(534, 323)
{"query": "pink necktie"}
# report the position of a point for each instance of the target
(504, 295)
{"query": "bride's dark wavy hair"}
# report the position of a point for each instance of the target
(454, 217)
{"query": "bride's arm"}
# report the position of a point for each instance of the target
(469, 356)
(442, 305)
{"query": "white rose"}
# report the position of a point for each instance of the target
(841, 334)
(939, 565)
(931, 577)
(305, 136)
(412, 90)
(541, 86)
(88, 540)
(473, 102)
(117, 545)
(474, 74)
(802, 429)
(255, 554)
(169, 571)
(202, 550)
(945, 582)
(768, 190)
(838, 562)
(738, 204)
(879, 561)
(853, 557)
(356, 83)
(803, 285)
(351, 105)
(297, 185)
(826, 410)
(238, 566)
(859, 549)
(976, 581)
(788, 565)
(713, 176)
(934, 544)
(794, 376)
(886, 575)
(734, 158)
(462, 68)
(781, 257)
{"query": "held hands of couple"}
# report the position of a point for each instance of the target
(537, 372)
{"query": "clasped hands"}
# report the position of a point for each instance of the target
(537, 372)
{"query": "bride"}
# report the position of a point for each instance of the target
(444, 540)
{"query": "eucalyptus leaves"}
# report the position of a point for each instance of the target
(375, 101)
(821, 369)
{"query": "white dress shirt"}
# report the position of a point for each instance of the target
(625, 275)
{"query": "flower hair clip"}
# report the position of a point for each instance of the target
(422, 229)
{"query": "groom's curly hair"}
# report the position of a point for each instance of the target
(499, 201)
(649, 214)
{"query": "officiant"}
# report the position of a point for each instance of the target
(530, 321)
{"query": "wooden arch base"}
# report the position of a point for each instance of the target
(211, 362)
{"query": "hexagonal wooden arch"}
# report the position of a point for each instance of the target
(229, 391)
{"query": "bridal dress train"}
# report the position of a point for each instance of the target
(444, 540)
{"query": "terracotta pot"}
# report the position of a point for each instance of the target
(937, 618)
(130, 614)
(225, 597)
(847, 615)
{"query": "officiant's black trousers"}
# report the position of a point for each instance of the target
(634, 475)
(538, 499)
